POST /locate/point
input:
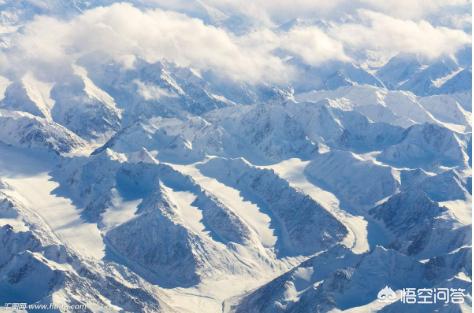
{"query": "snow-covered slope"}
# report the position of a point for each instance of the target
(301, 224)
(424, 145)
(400, 108)
(22, 129)
(342, 171)
(84, 108)
(29, 95)
(420, 226)
(43, 247)
(443, 76)
(337, 280)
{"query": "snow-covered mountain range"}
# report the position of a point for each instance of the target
(130, 183)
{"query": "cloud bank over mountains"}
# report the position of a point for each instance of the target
(205, 37)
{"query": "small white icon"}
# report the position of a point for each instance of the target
(386, 294)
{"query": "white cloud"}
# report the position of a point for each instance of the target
(388, 35)
(122, 30)
(313, 45)
(153, 92)
(310, 43)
